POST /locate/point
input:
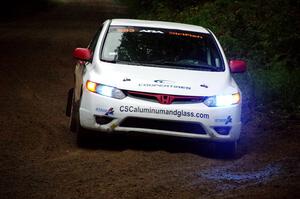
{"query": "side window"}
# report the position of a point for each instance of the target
(93, 43)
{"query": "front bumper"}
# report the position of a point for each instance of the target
(209, 119)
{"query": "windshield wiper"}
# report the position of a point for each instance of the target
(109, 61)
(167, 64)
(186, 66)
(125, 62)
(128, 62)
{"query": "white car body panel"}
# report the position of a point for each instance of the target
(189, 81)
(163, 81)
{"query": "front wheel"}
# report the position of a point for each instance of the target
(74, 124)
(74, 112)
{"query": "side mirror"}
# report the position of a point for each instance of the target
(82, 54)
(237, 66)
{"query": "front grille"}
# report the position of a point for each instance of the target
(165, 98)
(166, 125)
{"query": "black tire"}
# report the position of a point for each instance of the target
(82, 137)
(74, 114)
(69, 102)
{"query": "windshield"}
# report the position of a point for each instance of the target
(161, 47)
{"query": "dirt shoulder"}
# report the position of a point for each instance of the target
(39, 158)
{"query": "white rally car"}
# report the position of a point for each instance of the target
(159, 78)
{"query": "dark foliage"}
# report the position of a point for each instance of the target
(12, 9)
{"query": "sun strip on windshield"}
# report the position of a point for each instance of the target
(126, 30)
(184, 34)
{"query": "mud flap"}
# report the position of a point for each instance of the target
(78, 80)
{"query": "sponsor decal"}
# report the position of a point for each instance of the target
(110, 111)
(204, 85)
(226, 121)
(126, 30)
(101, 110)
(112, 53)
(163, 81)
(152, 31)
(185, 34)
(126, 80)
(150, 110)
(107, 112)
(160, 85)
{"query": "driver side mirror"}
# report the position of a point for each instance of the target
(83, 54)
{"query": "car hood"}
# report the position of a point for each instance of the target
(163, 80)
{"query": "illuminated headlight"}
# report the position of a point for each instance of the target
(104, 90)
(222, 100)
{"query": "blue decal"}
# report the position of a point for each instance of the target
(226, 121)
(110, 111)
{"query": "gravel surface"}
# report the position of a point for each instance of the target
(39, 157)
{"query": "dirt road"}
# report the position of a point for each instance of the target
(39, 157)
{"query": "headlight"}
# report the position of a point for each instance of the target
(222, 100)
(104, 90)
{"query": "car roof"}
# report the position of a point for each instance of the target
(158, 24)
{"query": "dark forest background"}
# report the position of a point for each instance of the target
(16, 9)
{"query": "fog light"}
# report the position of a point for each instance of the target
(222, 130)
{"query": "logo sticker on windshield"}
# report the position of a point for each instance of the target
(152, 31)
